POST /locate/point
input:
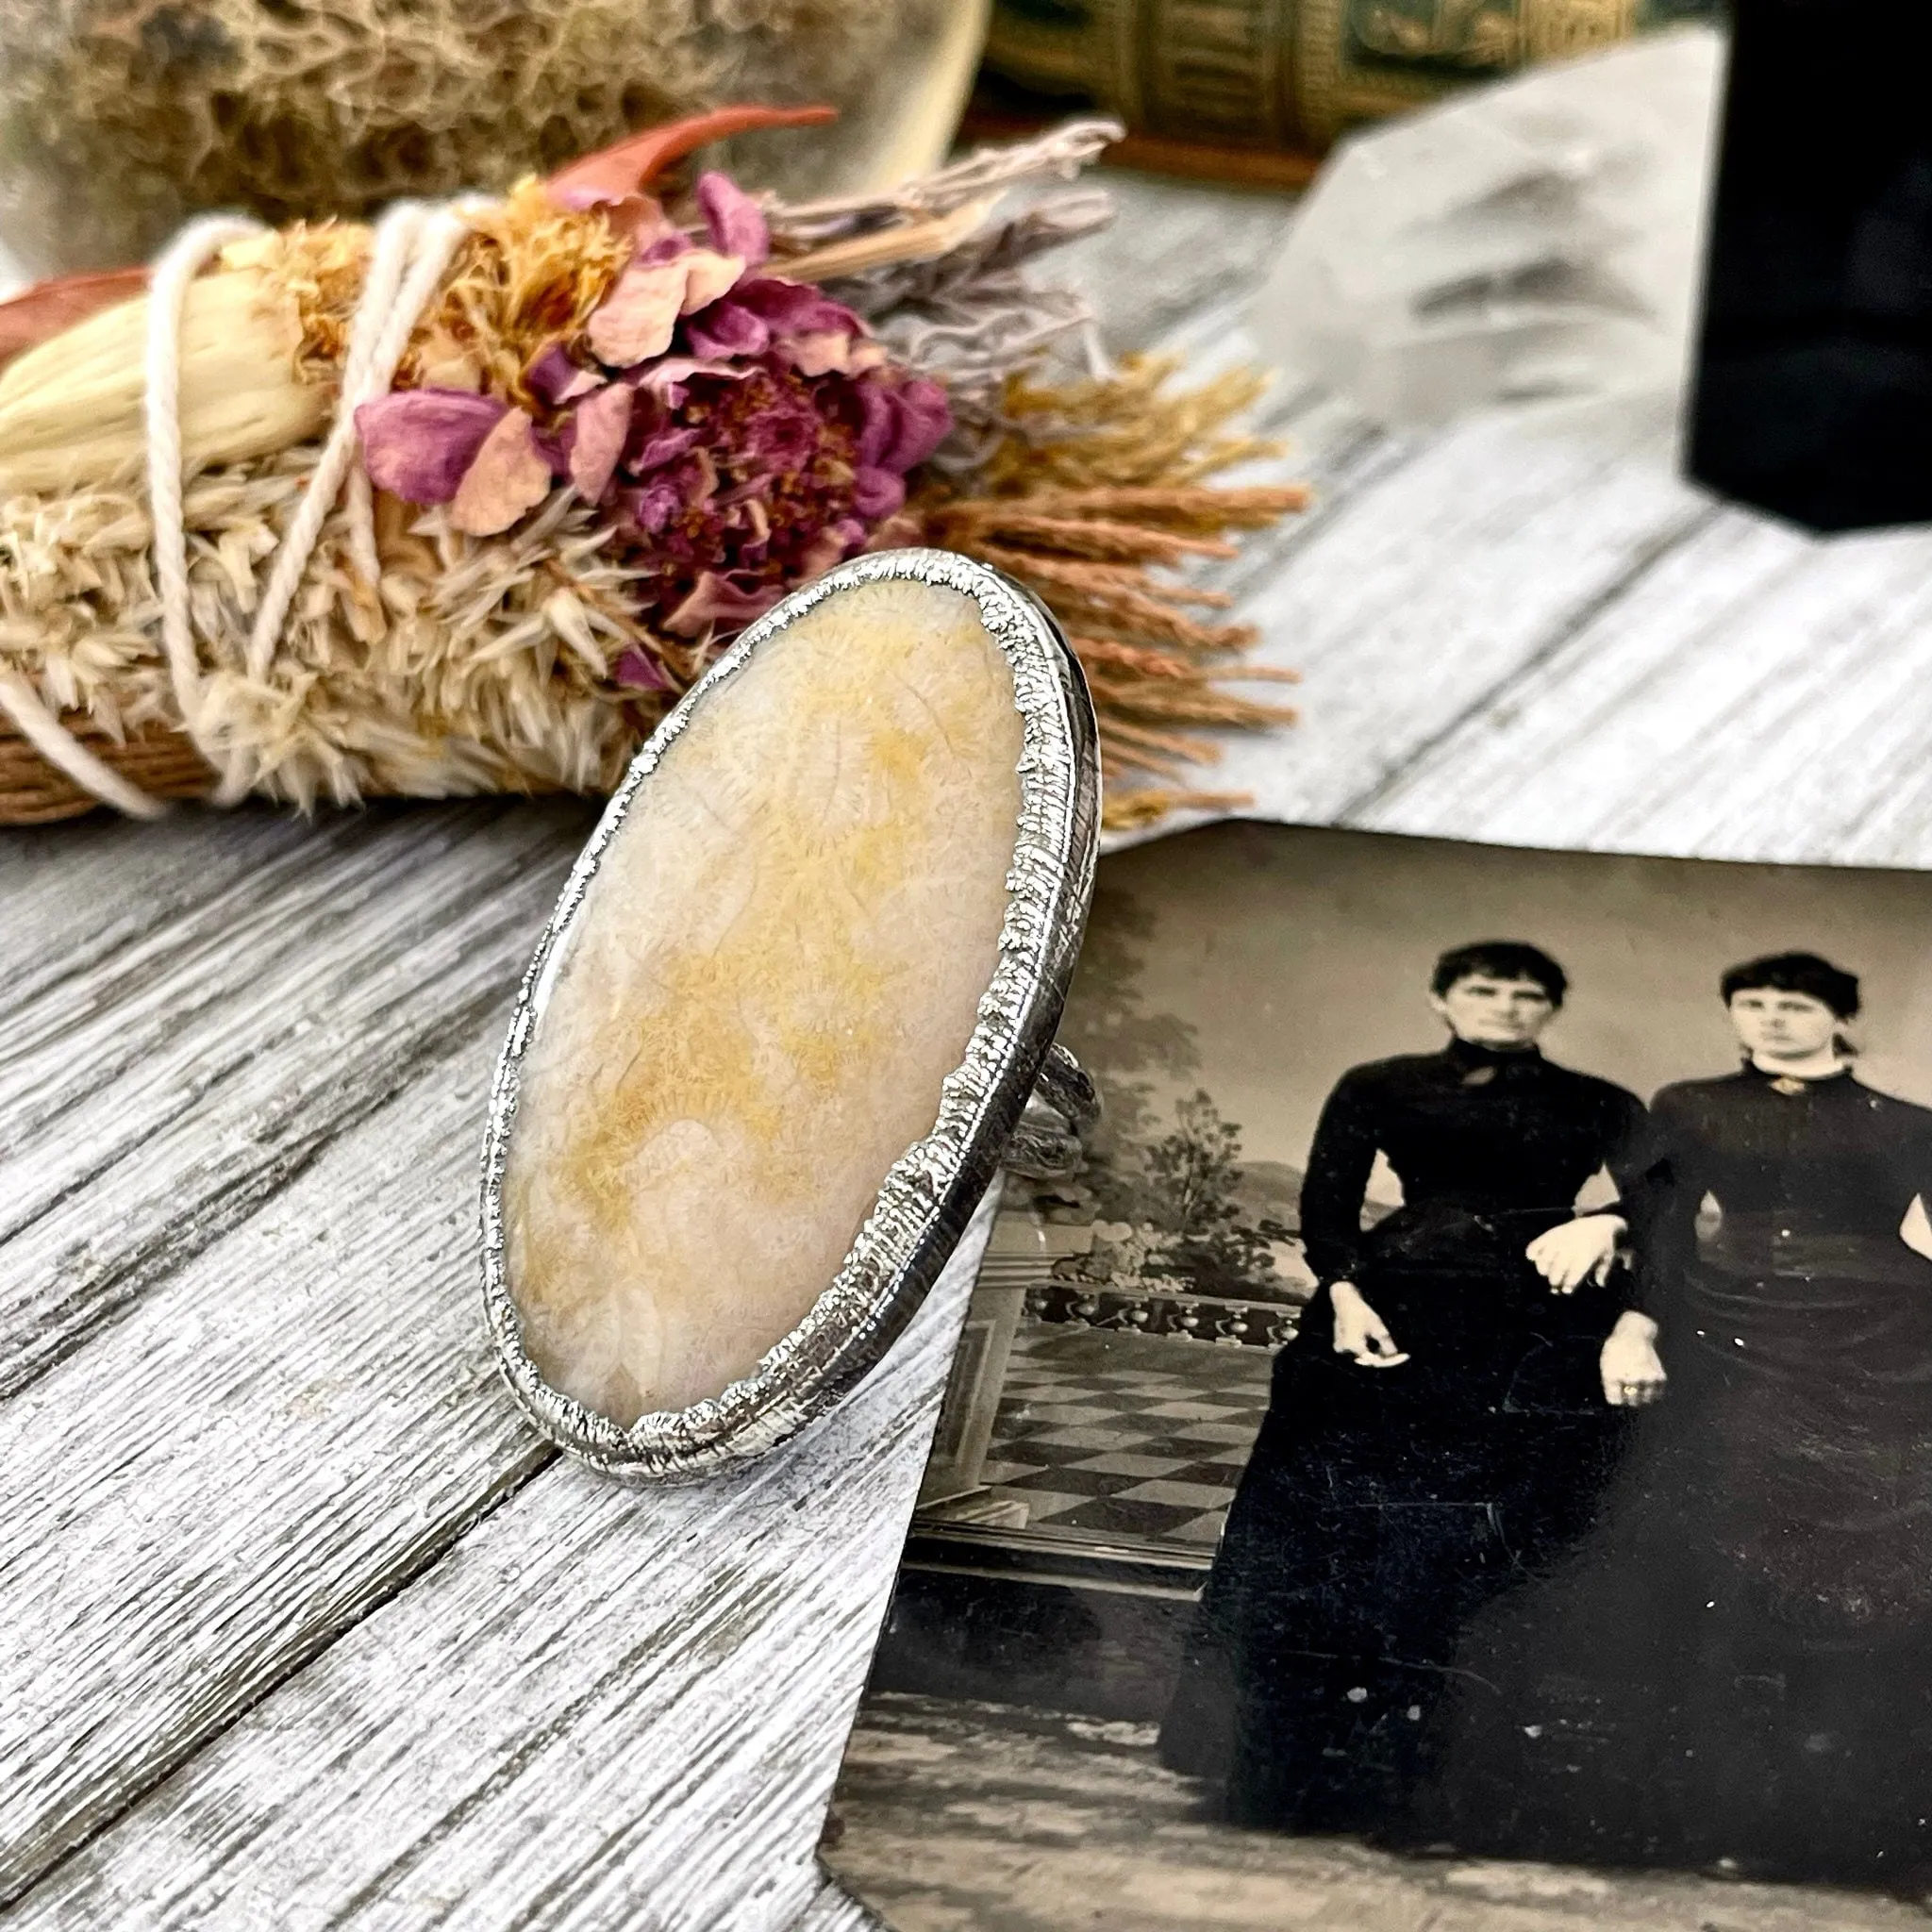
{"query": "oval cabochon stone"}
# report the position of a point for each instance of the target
(775, 966)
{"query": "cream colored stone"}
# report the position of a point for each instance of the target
(777, 964)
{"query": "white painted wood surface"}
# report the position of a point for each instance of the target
(303, 1629)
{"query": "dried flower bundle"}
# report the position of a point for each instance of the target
(619, 425)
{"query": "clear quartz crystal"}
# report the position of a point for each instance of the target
(779, 960)
(1539, 237)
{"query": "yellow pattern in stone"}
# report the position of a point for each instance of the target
(780, 961)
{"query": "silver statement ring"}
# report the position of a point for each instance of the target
(1011, 1095)
(1062, 1109)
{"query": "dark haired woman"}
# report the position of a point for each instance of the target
(1742, 1673)
(1442, 1419)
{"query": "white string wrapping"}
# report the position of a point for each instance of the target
(412, 245)
(59, 746)
(180, 263)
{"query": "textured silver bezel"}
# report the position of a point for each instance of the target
(929, 1194)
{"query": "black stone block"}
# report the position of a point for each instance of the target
(1813, 387)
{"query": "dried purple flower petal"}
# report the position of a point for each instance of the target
(737, 224)
(554, 378)
(637, 318)
(418, 443)
(924, 417)
(900, 427)
(602, 422)
(728, 328)
(636, 670)
(794, 308)
(652, 507)
(661, 447)
(783, 436)
(876, 424)
(668, 378)
(509, 477)
(715, 603)
(877, 492)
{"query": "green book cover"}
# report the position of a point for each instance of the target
(1293, 73)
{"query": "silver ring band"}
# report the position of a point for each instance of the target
(1063, 1107)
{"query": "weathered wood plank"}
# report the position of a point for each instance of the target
(161, 1094)
(959, 1816)
(76, 891)
(1435, 587)
(267, 1445)
(1759, 694)
(603, 1706)
(836, 1910)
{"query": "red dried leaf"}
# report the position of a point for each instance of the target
(629, 166)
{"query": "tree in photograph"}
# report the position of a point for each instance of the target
(1109, 1027)
(1192, 1177)
(1192, 1173)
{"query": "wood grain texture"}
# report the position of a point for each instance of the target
(269, 1443)
(836, 1910)
(305, 1629)
(604, 1707)
(170, 1084)
(1529, 628)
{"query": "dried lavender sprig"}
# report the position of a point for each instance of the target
(1061, 151)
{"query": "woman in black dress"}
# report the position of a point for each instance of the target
(1440, 1422)
(1739, 1671)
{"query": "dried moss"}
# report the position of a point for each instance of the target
(120, 117)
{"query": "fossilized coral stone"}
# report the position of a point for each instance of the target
(776, 965)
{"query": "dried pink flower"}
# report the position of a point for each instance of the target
(508, 475)
(736, 224)
(716, 604)
(640, 316)
(418, 443)
(600, 425)
(742, 432)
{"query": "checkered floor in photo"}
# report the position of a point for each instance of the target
(1133, 1438)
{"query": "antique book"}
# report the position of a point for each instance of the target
(1292, 74)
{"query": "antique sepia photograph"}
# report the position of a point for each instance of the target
(1463, 1441)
